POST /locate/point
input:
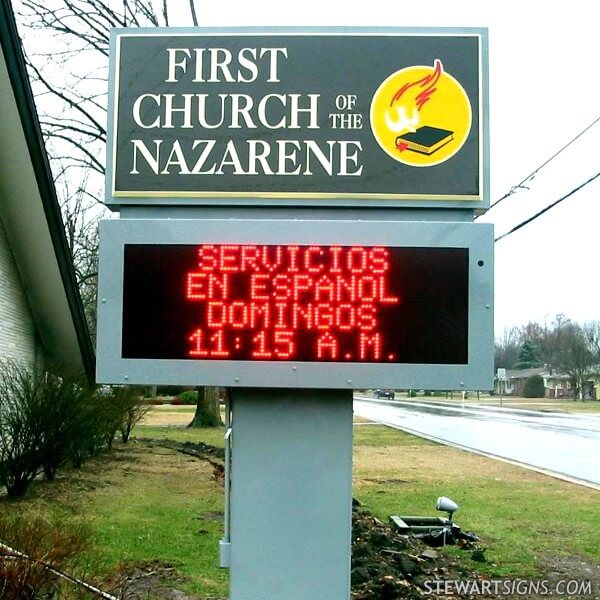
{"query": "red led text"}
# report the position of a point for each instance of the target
(264, 302)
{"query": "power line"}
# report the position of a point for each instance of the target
(544, 210)
(521, 185)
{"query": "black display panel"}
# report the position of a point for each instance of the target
(317, 303)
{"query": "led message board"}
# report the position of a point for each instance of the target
(298, 304)
(286, 116)
(362, 304)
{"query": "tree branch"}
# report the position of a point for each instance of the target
(193, 11)
(63, 97)
(94, 162)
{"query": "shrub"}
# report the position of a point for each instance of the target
(22, 416)
(131, 407)
(189, 398)
(534, 387)
(40, 540)
(62, 396)
(110, 415)
(176, 401)
(48, 418)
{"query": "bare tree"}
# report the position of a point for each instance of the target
(592, 332)
(66, 45)
(576, 358)
(506, 348)
(548, 338)
(66, 49)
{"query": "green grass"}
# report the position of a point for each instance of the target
(382, 436)
(212, 436)
(143, 503)
(167, 516)
(147, 502)
(522, 516)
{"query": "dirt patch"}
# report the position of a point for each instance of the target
(211, 454)
(216, 516)
(165, 416)
(390, 566)
(383, 480)
(439, 463)
(151, 580)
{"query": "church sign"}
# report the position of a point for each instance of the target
(326, 117)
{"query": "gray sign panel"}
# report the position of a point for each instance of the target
(325, 304)
(325, 117)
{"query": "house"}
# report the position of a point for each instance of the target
(556, 385)
(41, 313)
(514, 381)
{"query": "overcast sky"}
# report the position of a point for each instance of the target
(544, 90)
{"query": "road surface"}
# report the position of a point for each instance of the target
(566, 445)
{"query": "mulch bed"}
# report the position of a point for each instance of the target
(387, 565)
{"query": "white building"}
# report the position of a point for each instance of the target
(41, 314)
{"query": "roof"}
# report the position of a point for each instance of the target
(32, 216)
(524, 373)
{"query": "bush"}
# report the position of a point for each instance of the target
(67, 400)
(534, 387)
(189, 398)
(46, 419)
(40, 540)
(129, 406)
(22, 422)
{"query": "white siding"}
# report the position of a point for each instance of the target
(17, 329)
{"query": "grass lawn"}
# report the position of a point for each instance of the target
(522, 516)
(145, 502)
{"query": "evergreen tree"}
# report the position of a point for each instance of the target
(529, 356)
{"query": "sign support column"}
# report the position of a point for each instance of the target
(291, 496)
(276, 237)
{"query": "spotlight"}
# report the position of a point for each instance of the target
(446, 505)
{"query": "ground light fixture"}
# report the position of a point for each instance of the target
(446, 505)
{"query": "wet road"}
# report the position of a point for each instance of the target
(559, 443)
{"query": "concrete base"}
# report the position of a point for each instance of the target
(291, 494)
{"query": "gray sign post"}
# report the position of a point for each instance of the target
(291, 494)
(296, 222)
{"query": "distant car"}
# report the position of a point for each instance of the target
(384, 394)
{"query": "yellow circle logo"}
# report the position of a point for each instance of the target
(421, 116)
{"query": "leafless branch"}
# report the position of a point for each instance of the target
(94, 162)
(193, 13)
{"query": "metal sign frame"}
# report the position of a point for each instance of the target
(476, 374)
(259, 195)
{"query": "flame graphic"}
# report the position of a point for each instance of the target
(412, 96)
